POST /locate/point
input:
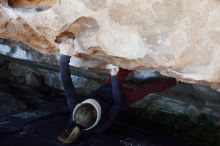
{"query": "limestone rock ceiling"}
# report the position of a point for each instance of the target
(178, 38)
(31, 3)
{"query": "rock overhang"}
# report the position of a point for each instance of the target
(177, 38)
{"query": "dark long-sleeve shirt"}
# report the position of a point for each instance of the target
(108, 96)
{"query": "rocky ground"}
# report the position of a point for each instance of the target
(31, 117)
(33, 113)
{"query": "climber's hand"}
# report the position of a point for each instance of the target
(114, 70)
(67, 47)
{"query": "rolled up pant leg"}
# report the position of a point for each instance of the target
(132, 95)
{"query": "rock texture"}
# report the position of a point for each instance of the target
(178, 38)
(193, 101)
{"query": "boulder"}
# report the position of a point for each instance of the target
(178, 38)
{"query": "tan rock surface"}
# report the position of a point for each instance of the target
(178, 38)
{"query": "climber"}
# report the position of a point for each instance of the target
(97, 112)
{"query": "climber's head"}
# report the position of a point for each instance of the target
(66, 35)
(87, 114)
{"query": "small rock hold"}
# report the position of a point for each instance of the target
(192, 113)
(33, 80)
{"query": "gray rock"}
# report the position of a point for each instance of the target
(33, 80)
(10, 104)
(192, 112)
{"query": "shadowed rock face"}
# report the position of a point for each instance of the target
(178, 38)
(31, 3)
